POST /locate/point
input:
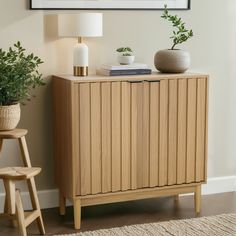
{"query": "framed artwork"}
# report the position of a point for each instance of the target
(109, 4)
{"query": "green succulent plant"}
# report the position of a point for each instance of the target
(180, 33)
(126, 51)
(18, 75)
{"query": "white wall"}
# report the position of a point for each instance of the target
(212, 49)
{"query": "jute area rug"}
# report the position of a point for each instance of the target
(221, 225)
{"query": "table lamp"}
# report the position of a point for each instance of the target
(79, 26)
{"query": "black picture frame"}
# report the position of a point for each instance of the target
(188, 7)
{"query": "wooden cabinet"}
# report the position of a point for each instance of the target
(127, 138)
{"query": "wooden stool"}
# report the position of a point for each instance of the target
(19, 134)
(13, 204)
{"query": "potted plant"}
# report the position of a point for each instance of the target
(126, 56)
(18, 76)
(174, 60)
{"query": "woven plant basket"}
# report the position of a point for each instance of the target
(9, 116)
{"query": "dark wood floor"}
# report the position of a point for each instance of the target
(120, 214)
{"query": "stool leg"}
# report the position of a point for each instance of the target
(20, 214)
(24, 152)
(31, 184)
(6, 204)
(35, 204)
(10, 202)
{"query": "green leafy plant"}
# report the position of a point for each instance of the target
(18, 75)
(181, 34)
(125, 51)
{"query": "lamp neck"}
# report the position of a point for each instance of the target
(80, 40)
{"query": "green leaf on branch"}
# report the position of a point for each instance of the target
(18, 75)
(180, 33)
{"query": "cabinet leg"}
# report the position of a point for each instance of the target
(197, 199)
(77, 213)
(62, 204)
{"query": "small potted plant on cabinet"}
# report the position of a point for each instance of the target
(125, 56)
(174, 60)
(18, 76)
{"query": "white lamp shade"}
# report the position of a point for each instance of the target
(80, 25)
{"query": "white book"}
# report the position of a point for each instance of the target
(124, 67)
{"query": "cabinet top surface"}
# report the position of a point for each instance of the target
(154, 76)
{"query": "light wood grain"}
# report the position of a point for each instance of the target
(172, 132)
(30, 217)
(129, 134)
(13, 134)
(13, 205)
(10, 204)
(191, 131)
(85, 139)
(62, 204)
(77, 213)
(63, 140)
(153, 77)
(24, 152)
(136, 135)
(200, 130)
(146, 135)
(20, 214)
(75, 136)
(116, 136)
(126, 161)
(206, 127)
(163, 140)
(106, 137)
(35, 204)
(96, 159)
(31, 183)
(197, 199)
(137, 194)
(139, 138)
(182, 131)
(18, 173)
(154, 133)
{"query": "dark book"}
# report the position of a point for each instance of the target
(124, 72)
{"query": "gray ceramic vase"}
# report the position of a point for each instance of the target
(172, 61)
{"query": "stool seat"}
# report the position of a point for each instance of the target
(18, 173)
(13, 134)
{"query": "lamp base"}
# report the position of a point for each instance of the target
(80, 70)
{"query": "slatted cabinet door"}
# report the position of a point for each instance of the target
(141, 134)
(105, 137)
(117, 122)
(182, 131)
(144, 134)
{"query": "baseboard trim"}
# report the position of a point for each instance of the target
(49, 198)
(219, 185)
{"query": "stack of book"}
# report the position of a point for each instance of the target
(132, 69)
